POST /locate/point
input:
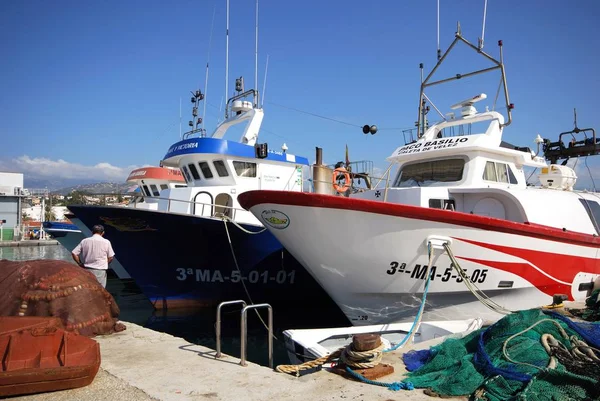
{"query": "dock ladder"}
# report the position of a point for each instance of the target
(244, 329)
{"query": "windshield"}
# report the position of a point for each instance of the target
(430, 173)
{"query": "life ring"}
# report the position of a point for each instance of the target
(336, 174)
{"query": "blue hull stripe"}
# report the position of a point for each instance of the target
(224, 147)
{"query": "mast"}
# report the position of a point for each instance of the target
(227, 55)
(256, 57)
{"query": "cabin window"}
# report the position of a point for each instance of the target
(445, 204)
(489, 174)
(180, 186)
(245, 169)
(163, 187)
(593, 210)
(194, 171)
(146, 190)
(186, 174)
(511, 177)
(205, 170)
(155, 190)
(498, 172)
(430, 173)
(220, 167)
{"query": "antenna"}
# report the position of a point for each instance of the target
(212, 25)
(227, 54)
(483, 28)
(180, 118)
(439, 51)
(256, 58)
(264, 84)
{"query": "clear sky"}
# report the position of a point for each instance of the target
(93, 88)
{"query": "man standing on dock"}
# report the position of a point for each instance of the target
(94, 254)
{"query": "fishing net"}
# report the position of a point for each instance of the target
(59, 289)
(526, 355)
(592, 310)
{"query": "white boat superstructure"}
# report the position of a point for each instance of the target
(216, 170)
(459, 188)
(151, 181)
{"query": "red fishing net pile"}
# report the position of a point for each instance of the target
(59, 289)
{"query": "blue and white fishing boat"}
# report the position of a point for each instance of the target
(200, 247)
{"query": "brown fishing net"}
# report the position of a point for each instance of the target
(59, 289)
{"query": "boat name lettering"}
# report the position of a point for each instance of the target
(432, 145)
(183, 146)
(136, 173)
(419, 272)
(235, 276)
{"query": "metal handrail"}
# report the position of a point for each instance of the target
(244, 324)
(169, 200)
(218, 325)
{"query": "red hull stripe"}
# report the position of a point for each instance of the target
(527, 272)
(253, 198)
(561, 267)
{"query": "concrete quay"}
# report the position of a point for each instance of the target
(141, 364)
(29, 242)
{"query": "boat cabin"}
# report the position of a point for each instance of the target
(151, 181)
(462, 164)
(216, 170)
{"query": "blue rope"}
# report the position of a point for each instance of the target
(413, 327)
(395, 386)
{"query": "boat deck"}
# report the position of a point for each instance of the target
(141, 364)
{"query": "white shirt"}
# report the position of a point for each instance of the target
(94, 252)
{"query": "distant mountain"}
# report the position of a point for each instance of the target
(95, 188)
(54, 184)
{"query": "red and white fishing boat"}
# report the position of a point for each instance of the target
(458, 189)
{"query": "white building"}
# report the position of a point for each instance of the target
(35, 212)
(11, 193)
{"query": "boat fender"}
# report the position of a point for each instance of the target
(336, 175)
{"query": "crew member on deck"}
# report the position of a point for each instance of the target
(94, 254)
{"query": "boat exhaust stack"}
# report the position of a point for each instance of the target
(321, 175)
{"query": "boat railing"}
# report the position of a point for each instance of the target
(216, 209)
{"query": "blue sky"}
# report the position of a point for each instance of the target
(93, 88)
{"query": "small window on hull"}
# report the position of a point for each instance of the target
(205, 170)
(245, 169)
(499, 172)
(221, 168)
(194, 171)
(155, 190)
(186, 174)
(593, 210)
(446, 204)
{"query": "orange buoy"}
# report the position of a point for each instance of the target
(336, 173)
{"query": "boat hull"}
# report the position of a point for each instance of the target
(187, 261)
(371, 257)
(70, 235)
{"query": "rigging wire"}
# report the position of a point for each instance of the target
(335, 120)
(590, 173)
(315, 115)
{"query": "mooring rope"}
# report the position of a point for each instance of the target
(242, 281)
(480, 295)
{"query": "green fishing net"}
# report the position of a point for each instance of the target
(508, 361)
